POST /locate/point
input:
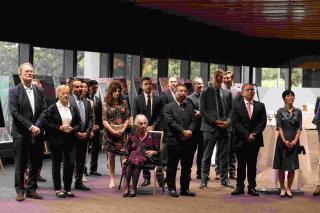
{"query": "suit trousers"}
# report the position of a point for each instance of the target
(26, 152)
(95, 148)
(198, 140)
(184, 153)
(81, 151)
(247, 164)
(232, 157)
(66, 155)
(220, 137)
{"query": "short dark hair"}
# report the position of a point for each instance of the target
(146, 79)
(93, 82)
(181, 85)
(287, 92)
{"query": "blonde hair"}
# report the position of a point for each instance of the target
(195, 80)
(62, 88)
(228, 72)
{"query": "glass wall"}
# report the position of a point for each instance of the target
(296, 78)
(195, 69)
(80, 63)
(9, 58)
(48, 61)
(213, 68)
(273, 77)
(150, 67)
(174, 67)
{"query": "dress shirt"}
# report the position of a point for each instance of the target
(65, 113)
(30, 94)
(251, 104)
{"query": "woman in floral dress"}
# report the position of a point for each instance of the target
(115, 119)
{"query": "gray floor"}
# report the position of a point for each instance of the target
(7, 176)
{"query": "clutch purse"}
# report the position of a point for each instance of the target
(301, 149)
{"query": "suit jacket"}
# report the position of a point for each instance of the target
(195, 101)
(98, 111)
(167, 97)
(139, 107)
(53, 122)
(179, 120)
(21, 111)
(88, 114)
(209, 108)
(243, 125)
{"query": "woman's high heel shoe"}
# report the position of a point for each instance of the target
(132, 194)
(283, 195)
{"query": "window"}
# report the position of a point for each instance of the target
(80, 63)
(296, 78)
(273, 77)
(174, 68)
(213, 68)
(195, 69)
(48, 61)
(9, 58)
(150, 67)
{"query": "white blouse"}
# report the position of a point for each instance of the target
(65, 113)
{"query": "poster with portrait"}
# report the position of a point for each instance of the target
(103, 86)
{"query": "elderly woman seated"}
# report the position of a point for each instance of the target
(141, 146)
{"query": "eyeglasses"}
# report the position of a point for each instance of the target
(251, 89)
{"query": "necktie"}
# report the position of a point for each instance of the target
(82, 113)
(249, 110)
(149, 107)
(220, 105)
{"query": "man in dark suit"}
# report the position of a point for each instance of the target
(215, 108)
(197, 84)
(248, 120)
(97, 126)
(149, 105)
(167, 97)
(181, 125)
(27, 106)
(85, 113)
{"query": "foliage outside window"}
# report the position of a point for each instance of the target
(230, 68)
(195, 69)
(48, 61)
(80, 63)
(296, 78)
(269, 77)
(150, 67)
(174, 68)
(213, 68)
(9, 58)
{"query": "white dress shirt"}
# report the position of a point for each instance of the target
(30, 94)
(65, 113)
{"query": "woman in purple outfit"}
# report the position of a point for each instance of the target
(141, 146)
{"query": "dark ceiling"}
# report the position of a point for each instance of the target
(135, 28)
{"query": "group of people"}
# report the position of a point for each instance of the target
(221, 116)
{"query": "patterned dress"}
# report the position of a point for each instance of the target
(137, 148)
(287, 158)
(115, 115)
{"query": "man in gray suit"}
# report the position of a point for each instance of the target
(215, 108)
(197, 84)
(236, 94)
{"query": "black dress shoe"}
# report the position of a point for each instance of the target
(227, 183)
(95, 173)
(253, 192)
(203, 184)
(69, 194)
(82, 187)
(132, 194)
(173, 193)
(126, 194)
(199, 177)
(238, 191)
(188, 193)
(146, 182)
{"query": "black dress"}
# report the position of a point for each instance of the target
(287, 158)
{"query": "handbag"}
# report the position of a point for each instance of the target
(301, 149)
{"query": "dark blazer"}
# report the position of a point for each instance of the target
(195, 101)
(243, 126)
(209, 108)
(98, 112)
(139, 107)
(89, 118)
(21, 111)
(53, 122)
(179, 120)
(167, 97)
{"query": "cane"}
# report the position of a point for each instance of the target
(124, 169)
